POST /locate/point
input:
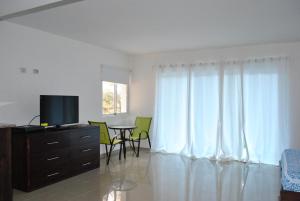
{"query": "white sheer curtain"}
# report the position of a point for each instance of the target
(233, 144)
(171, 109)
(266, 101)
(226, 111)
(204, 111)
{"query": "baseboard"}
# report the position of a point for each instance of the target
(116, 151)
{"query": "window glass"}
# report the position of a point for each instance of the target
(121, 106)
(114, 98)
(108, 97)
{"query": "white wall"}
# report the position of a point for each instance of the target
(143, 78)
(66, 67)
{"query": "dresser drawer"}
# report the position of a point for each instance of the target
(49, 176)
(86, 151)
(49, 141)
(86, 136)
(51, 159)
(85, 164)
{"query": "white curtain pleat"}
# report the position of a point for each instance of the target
(171, 109)
(204, 112)
(233, 138)
(224, 111)
(266, 110)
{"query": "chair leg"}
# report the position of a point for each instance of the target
(110, 150)
(138, 151)
(106, 151)
(120, 151)
(124, 151)
(133, 146)
(149, 142)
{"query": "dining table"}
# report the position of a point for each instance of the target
(122, 132)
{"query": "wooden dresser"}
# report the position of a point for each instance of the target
(5, 163)
(47, 156)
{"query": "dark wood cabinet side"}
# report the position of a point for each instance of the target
(5, 164)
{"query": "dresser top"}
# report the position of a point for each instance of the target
(3, 125)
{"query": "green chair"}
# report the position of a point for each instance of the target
(141, 132)
(106, 140)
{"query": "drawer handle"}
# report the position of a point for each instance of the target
(55, 142)
(84, 137)
(86, 150)
(54, 158)
(85, 164)
(54, 174)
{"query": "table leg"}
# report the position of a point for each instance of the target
(124, 144)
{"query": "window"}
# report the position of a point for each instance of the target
(114, 98)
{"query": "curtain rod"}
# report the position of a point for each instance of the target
(233, 61)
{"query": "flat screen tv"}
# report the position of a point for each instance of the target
(58, 110)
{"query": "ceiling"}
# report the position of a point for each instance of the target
(147, 26)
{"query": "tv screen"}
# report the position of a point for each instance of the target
(58, 110)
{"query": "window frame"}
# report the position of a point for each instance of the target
(115, 99)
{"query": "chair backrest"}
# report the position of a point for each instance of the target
(142, 126)
(104, 134)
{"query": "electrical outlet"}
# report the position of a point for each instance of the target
(35, 71)
(23, 70)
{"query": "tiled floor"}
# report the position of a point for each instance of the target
(161, 177)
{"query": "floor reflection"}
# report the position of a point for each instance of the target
(177, 178)
(162, 177)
